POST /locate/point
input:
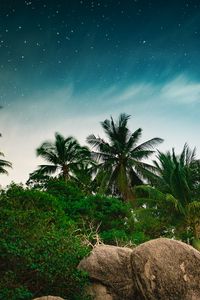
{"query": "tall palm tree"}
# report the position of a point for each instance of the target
(120, 158)
(4, 164)
(63, 156)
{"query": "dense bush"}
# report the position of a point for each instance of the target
(39, 247)
(64, 191)
(113, 218)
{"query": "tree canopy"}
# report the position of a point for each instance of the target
(63, 155)
(121, 158)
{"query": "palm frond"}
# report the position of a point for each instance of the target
(150, 144)
(3, 171)
(47, 169)
(4, 164)
(133, 139)
(141, 154)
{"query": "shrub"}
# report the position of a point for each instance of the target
(39, 247)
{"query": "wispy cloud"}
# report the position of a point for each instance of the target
(180, 90)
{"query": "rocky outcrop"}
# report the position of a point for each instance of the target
(99, 291)
(159, 269)
(166, 269)
(111, 267)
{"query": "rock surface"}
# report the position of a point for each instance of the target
(159, 269)
(111, 267)
(166, 269)
(99, 292)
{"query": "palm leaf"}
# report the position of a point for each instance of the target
(149, 144)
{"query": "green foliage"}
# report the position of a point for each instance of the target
(108, 214)
(139, 237)
(178, 175)
(124, 237)
(173, 202)
(39, 247)
(14, 293)
(16, 197)
(64, 191)
(120, 158)
(115, 236)
(4, 164)
(62, 156)
(196, 244)
(83, 176)
(157, 213)
(45, 228)
(37, 180)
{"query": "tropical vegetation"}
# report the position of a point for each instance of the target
(176, 185)
(121, 159)
(110, 193)
(40, 247)
(63, 156)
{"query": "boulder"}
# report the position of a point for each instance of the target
(99, 291)
(159, 269)
(166, 269)
(49, 298)
(110, 269)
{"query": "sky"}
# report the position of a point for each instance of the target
(67, 65)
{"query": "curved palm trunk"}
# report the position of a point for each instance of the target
(123, 184)
(65, 172)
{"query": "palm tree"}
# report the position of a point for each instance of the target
(63, 156)
(121, 165)
(176, 185)
(4, 164)
(178, 174)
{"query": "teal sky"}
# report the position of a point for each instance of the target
(78, 62)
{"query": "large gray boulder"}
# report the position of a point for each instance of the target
(166, 269)
(159, 269)
(110, 270)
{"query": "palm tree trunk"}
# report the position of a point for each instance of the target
(65, 172)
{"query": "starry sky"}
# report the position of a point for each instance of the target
(66, 65)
